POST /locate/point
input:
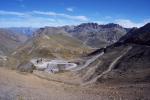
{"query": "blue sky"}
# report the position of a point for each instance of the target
(40, 13)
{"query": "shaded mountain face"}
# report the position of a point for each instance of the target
(9, 41)
(138, 36)
(127, 62)
(98, 36)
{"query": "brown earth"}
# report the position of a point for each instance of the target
(18, 86)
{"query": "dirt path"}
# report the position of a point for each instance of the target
(89, 61)
(112, 65)
(16, 86)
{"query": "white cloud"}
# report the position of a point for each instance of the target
(45, 13)
(28, 22)
(38, 19)
(124, 22)
(35, 22)
(100, 22)
(129, 24)
(11, 13)
(70, 9)
(82, 18)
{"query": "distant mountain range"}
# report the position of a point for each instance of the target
(92, 34)
(22, 30)
(65, 41)
(126, 57)
(98, 36)
(45, 45)
(11, 38)
(9, 41)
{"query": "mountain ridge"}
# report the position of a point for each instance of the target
(92, 34)
(132, 67)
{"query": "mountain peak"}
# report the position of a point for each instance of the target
(111, 25)
(96, 25)
(138, 36)
(146, 27)
(148, 24)
(90, 25)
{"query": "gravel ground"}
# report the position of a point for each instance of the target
(16, 86)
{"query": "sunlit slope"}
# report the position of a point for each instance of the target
(52, 46)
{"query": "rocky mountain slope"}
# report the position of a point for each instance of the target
(123, 67)
(92, 34)
(96, 35)
(9, 41)
(46, 44)
(128, 60)
(138, 36)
